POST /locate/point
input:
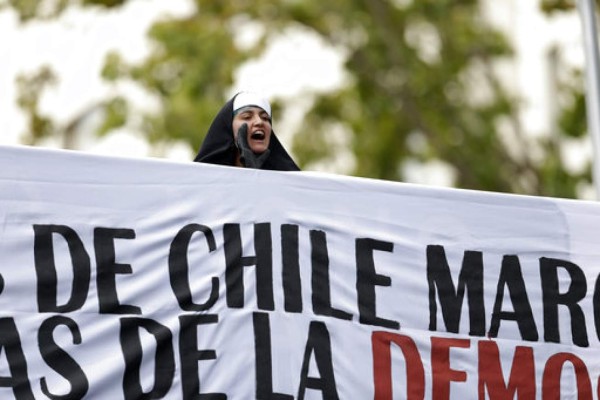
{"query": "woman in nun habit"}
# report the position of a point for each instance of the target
(242, 135)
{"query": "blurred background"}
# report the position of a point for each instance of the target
(474, 94)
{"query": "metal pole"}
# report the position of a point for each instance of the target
(592, 88)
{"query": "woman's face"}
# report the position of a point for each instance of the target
(259, 127)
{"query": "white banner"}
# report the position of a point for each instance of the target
(139, 279)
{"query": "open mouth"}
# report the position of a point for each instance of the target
(258, 135)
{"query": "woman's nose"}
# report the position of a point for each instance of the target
(257, 120)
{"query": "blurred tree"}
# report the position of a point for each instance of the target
(552, 6)
(30, 87)
(48, 9)
(41, 126)
(423, 86)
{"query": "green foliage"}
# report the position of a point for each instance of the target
(417, 68)
(192, 65)
(48, 9)
(552, 6)
(104, 3)
(37, 9)
(41, 127)
(572, 121)
(422, 87)
(556, 6)
(30, 87)
(115, 115)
